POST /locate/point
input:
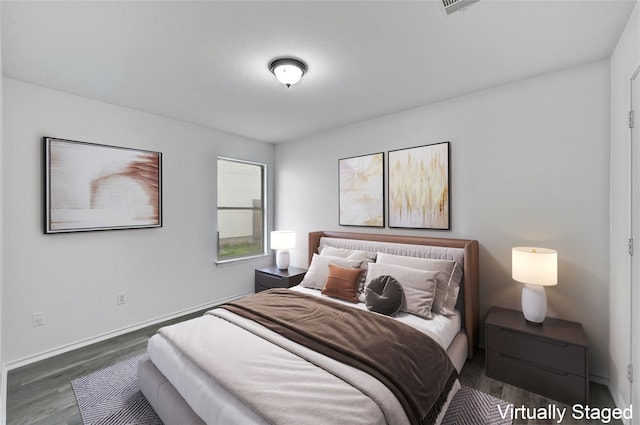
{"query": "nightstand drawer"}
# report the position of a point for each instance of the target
(555, 384)
(259, 287)
(554, 355)
(266, 281)
(272, 277)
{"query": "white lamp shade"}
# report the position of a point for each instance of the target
(536, 266)
(283, 239)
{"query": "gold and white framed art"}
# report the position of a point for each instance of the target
(361, 190)
(419, 191)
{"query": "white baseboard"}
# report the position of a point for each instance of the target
(619, 401)
(98, 338)
(599, 379)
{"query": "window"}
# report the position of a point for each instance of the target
(241, 209)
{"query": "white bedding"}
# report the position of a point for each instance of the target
(443, 329)
(199, 389)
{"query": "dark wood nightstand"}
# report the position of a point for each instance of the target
(272, 277)
(551, 360)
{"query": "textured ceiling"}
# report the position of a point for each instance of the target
(206, 62)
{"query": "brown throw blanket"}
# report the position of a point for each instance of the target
(413, 366)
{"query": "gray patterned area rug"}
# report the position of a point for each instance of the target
(111, 397)
(473, 407)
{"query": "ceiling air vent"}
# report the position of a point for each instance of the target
(451, 6)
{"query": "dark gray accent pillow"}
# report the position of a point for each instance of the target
(384, 295)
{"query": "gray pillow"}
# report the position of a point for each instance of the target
(419, 286)
(448, 280)
(384, 295)
(352, 254)
(318, 272)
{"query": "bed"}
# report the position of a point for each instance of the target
(259, 374)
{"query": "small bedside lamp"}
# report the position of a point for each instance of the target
(536, 268)
(283, 241)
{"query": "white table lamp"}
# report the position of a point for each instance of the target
(536, 268)
(283, 241)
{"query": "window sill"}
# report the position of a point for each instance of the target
(231, 261)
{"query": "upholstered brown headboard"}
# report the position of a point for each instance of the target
(471, 269)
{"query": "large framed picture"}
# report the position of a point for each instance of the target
(419, 187)
(361, 188)
(98, 187)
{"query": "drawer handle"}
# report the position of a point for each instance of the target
(538, 339)
(537, 366)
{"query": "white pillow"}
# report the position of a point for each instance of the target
(352, 254)
(419, 286)
(318, 271)
(448, 281)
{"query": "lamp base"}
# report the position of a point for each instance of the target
(282, 259)
(534, 304)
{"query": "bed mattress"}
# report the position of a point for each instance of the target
(199, 389)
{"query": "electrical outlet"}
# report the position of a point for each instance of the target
(38, 319)
(121, 298)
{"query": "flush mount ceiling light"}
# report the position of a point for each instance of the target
(451, 6)
(288, 70)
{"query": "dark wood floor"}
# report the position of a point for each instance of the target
(41, 393)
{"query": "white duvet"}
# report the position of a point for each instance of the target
(216, 403)
(443, 329)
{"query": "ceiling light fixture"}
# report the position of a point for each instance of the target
(288, 70)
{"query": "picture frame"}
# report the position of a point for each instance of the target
(89, 187)
(361, 190)
(419, 190)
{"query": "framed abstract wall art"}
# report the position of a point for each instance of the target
(89, 187)
(361, 190)
(419, 187)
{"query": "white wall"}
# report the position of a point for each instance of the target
(624, 61)
(3, 387)
(529, 165)
(74, 278)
